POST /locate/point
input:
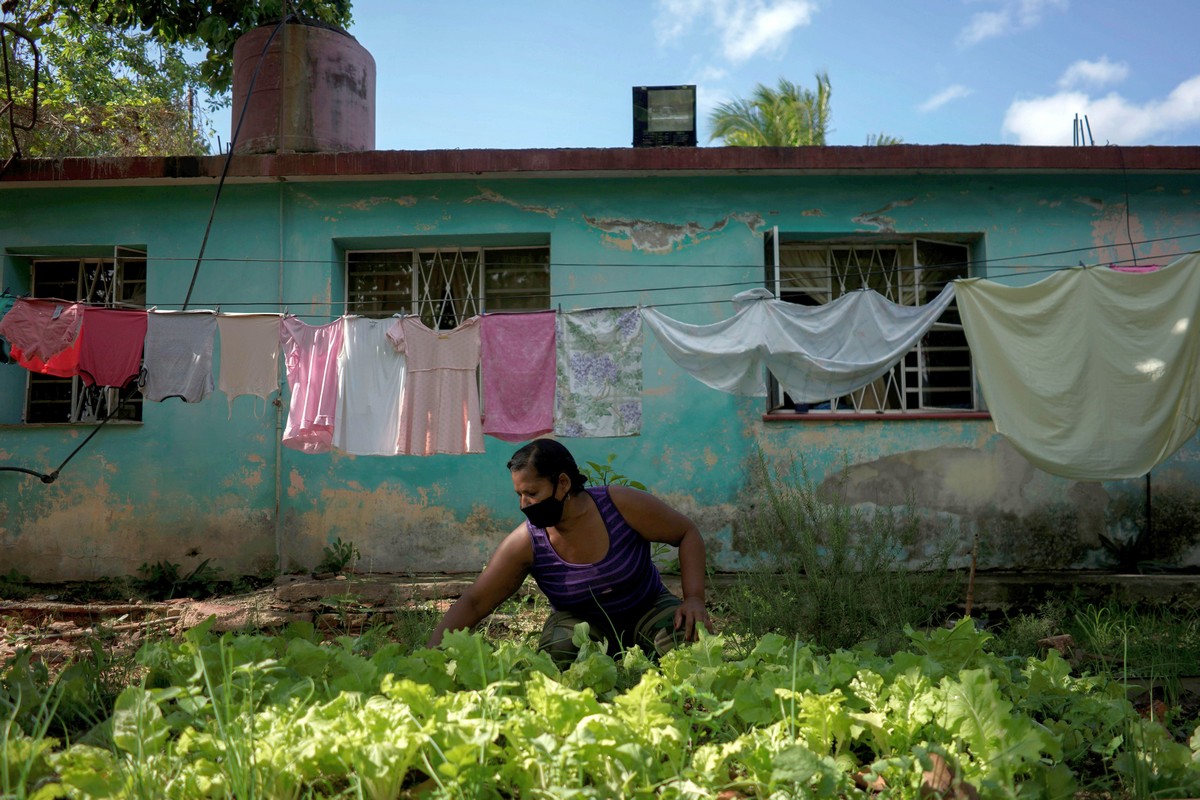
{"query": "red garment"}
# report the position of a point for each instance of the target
(42, 328)
(62, 365)
(110, 353)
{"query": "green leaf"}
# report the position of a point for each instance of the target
(138, 726)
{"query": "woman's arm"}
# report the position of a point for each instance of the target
(658, 522)
(503, 575)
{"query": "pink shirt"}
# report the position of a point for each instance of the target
(310, 354)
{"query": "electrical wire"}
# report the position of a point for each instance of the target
(669, 264)
(53, 476)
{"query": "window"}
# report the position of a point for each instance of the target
(937, 374)
(446, 285)
(116, 281)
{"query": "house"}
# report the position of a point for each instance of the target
(681, 229)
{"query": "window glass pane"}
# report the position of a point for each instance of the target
(517, 279)
(379, 284)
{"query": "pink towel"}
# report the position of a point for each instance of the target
(518, 375)
(110, 345)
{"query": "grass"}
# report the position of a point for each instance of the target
(830, 573)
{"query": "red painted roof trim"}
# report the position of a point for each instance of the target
(614, 162)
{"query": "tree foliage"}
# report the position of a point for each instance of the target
(126, 77)
(212, 26)
(787, 116)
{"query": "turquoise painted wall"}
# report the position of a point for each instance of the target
(204, 480)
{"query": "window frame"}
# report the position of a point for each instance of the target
(898, 384)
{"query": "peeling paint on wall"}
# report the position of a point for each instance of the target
(490, 196)
(662, 237)
(366, 204)
(396, 530)
(879, 219)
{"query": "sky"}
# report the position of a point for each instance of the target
(535, 73)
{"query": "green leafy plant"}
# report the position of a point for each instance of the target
(827, 572)
(292, 715)
(14, 586)
(337, 556)
(606, 474)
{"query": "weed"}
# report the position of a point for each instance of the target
(1019, 634)
(163, 581)
(338, 556)
(15, 586)
(827, 572)
(606, 475)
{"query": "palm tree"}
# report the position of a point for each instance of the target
(788, 116)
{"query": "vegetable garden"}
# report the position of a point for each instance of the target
(294, 715)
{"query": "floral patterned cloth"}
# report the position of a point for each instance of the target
(599, 355)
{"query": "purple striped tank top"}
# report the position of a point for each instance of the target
(616, 587)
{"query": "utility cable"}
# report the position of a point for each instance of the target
(229, 158)
(53, 476)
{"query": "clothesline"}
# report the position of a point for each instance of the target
(553, 298)
(1089, 373)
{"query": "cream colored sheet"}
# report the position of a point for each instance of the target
(1091, 372)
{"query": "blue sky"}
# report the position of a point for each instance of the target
(535, 73)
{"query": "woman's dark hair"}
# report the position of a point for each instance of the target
(548, 459)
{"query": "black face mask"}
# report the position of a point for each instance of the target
(545, 513)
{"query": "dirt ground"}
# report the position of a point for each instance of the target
(58, 630)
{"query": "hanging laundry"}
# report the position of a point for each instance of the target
(441, 393)
(518, 375)
(179, 355)
(249, 355)
(310, 355)
(42, 329)
(1090, 373)
(111, 343)
(60, 365)
(815, 352)
(599, 364)
(6, 303)
(370, 389)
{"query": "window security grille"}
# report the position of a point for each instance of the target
(937, 374)
(119, 281)
(444, 286)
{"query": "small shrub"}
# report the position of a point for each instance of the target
(15, 586)
(337, 556)
(163, 581)
(829, 573)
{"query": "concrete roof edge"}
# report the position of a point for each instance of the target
(627, 161)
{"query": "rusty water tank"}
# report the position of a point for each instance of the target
(315, 90)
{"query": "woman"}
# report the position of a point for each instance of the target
(589, 551)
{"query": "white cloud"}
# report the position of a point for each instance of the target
(1011, 17)
(747, 28)
(1093, 73)
(1112, 118)
(946, 95)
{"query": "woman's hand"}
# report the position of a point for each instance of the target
(691, 611)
